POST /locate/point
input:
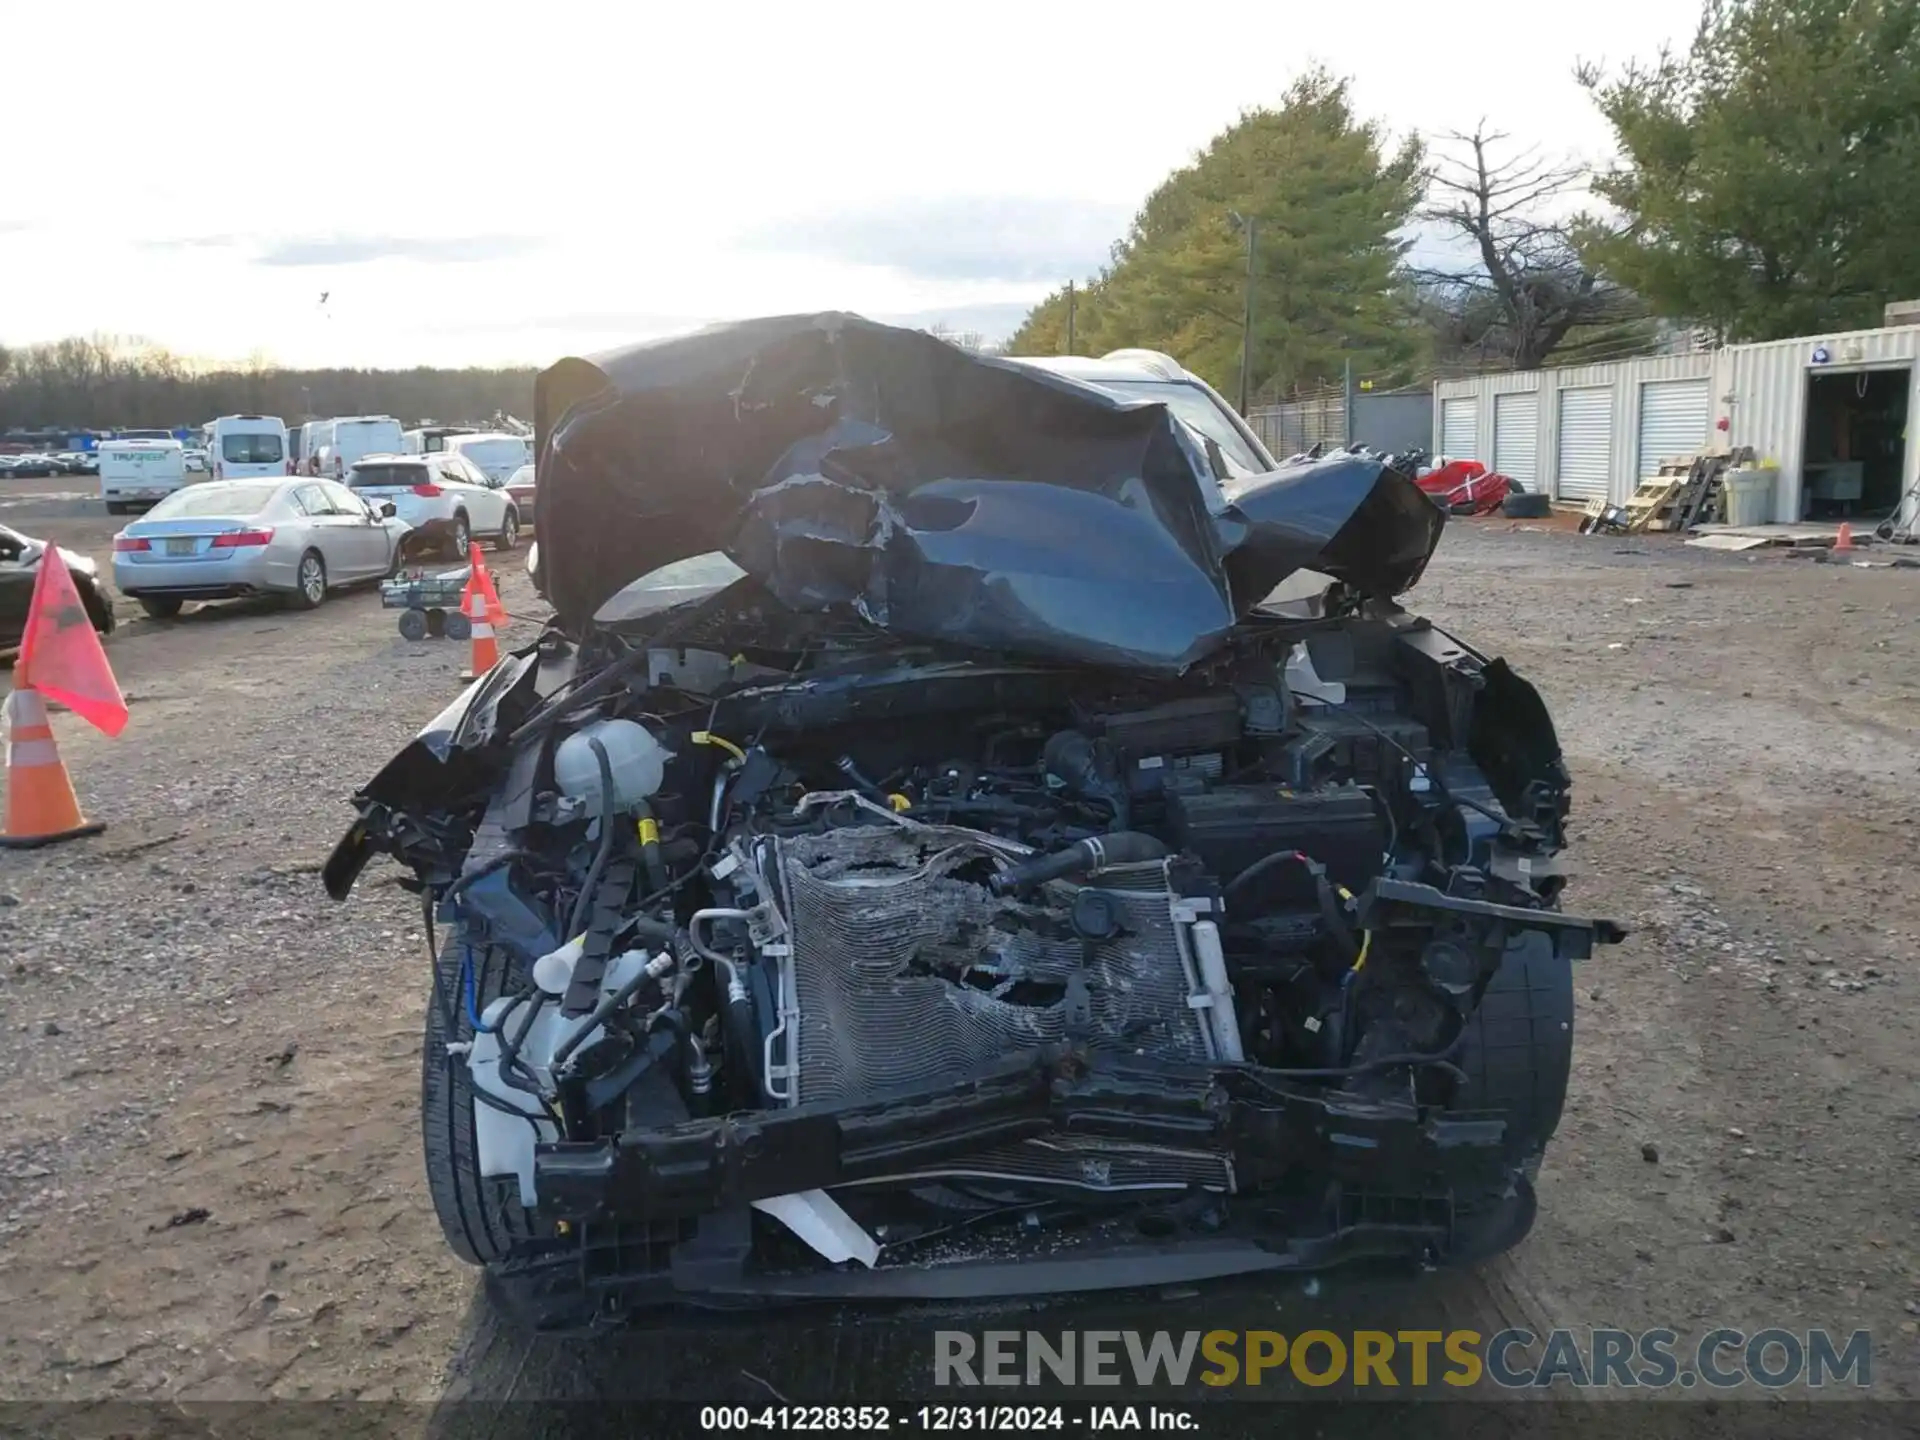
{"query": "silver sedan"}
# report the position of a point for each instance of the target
(300, 537)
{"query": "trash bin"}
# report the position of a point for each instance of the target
(1750, 496)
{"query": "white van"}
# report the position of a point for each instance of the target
(136, 471)
(351, 437)
(432, 439)
(247, 447)
(496, 454)
(313, 435)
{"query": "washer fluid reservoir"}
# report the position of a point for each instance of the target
(638, 761)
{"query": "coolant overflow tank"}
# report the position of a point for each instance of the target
(638, 761)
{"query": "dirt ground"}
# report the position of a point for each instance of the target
(210, 1181)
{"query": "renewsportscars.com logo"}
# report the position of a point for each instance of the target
(1597, 1359)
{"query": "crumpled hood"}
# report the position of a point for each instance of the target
(946, 496)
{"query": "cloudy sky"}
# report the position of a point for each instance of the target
(482, 183)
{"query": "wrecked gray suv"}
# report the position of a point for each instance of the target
(965, 880)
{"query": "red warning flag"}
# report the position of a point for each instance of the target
(61, 656)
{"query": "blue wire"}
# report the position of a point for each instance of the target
(466, 983)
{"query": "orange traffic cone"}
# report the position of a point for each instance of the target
(486, 651)
(1843, 542)
(41, 805)
(481, 578)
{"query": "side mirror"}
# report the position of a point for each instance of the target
(388, 509)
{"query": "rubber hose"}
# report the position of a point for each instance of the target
(743, 1040)
(1084, 857)
(585, 901)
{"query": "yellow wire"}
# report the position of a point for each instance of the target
(707, 737)
(1366, 944)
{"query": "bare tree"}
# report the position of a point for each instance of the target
(1529, 287)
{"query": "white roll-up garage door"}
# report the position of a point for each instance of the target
(1585, 452)
(1673, 421)
(1516, 437)
(1459, 428)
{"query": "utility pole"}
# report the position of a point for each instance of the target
(1071, 296)
(1346, 404)
(1250, 225)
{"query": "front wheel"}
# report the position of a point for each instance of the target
(1517, 1054)
(310, 581)
(509, 533)
(481, 1216)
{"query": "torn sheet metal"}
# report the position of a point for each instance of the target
(944, 496)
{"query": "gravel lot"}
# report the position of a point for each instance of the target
(210, 1185)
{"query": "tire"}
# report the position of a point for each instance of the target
(456, 626)
(509, 533)
(1526, 506)
(1518, 1047)
(462, 536)
(310, 581)
(1517, 1054)
(99, 610)
(413, 624)
(160, 607)
(117, 507)
(481, 1217)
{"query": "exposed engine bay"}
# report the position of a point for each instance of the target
(795, 951)
(916, 950)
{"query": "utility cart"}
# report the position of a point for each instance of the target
(429, 605)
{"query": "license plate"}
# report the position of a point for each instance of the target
(181, 547)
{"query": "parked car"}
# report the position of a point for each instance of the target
(520, 491)
(299, 537)
(20, 557)
(34, 465)
(443, 496)
(1234, 451)
(497, 455)
(195, 461)
(980, 886)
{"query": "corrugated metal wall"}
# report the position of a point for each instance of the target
(1764, 398)
(1624, 379)
(1759, 390)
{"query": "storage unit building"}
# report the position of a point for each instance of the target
(1832, 412)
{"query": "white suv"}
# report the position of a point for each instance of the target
(442, 496)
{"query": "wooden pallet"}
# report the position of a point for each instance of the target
(1603, 517)
(1650, 503)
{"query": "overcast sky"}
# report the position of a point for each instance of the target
(482, 183)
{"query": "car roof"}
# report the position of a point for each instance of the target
(210, 487)
(484, 435)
